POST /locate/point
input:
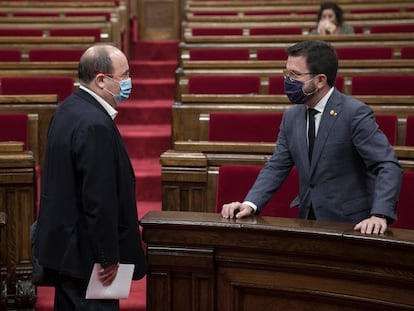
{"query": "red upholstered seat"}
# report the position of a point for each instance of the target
(407, 52)
(219, 54)
(77, 32)
(217, 31)
(364, 52)
(14, 127)
(234, 182)
(10, 56)
(244, 127)
(62, 86)
(224, 84)
(276, 31)
(392, 28)
(216, 13)
(46, 55)
(409, 131)
(276, 85)
(405, 210)
(388, 124)
(21, 32)
(267, 12)
(374, 10)
(35, 14)
(271, 54)
(107, 15)
(382, 85)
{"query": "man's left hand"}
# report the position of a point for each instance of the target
(372, 225)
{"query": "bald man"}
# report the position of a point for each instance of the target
(88, 211)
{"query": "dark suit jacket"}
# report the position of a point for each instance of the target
(354, 171)
(88, 208)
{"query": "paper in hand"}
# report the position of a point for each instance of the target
(119, 289)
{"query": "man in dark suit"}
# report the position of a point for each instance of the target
(348, 171)
(88, 208)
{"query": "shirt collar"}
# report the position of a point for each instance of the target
(109, 109)
(320, 106)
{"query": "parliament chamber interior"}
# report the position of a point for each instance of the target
(201, 71)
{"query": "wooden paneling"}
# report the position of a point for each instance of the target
(200, 261)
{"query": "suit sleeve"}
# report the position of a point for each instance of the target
(379, 157)
(96, 169)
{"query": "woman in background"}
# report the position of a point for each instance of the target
(330, 20)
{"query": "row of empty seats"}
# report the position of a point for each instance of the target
(406, 52)
(251, 84)
(41, 55)
(62, 86)
(293, 30)
(231, 127)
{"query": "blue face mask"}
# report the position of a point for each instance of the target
(294, 91)
(124, 92)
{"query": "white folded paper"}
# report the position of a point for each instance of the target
(119, 289)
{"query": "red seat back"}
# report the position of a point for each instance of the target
(405, 210)
(14, 127)
(275, 31)
(409, 131)
(224, 84)
(382, 85)
(62, 86)
(271, 54)
(388, 124)
(244, 127)
(77, 32)
(46, 55)
(392, 28)
(407, 52)
(219, 54)
(21, 32)
(217, 31)
(364, 52)
(10, 56)
(235, 181)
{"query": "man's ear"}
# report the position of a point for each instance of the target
(99, 80)
(322, 81)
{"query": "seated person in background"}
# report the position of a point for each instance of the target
(330, 21)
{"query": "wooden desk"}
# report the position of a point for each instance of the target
(17, 200)
(200, 261)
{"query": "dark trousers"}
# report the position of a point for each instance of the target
(70, 296)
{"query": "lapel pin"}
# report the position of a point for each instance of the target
(332, 113)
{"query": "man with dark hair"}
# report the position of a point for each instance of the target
(88, 211)
(348, 171)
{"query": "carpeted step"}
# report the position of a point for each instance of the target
(148, 180)
(146, 141)
(152, 69)
(155, 50)
(153, 89)
(144, 112)
(135, 302)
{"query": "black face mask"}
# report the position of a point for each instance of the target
(294, 91)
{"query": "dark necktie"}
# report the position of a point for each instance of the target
(311, 131)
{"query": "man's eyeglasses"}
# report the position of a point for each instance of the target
(111, 76)
(293, 75)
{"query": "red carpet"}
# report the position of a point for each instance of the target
(145, 124)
